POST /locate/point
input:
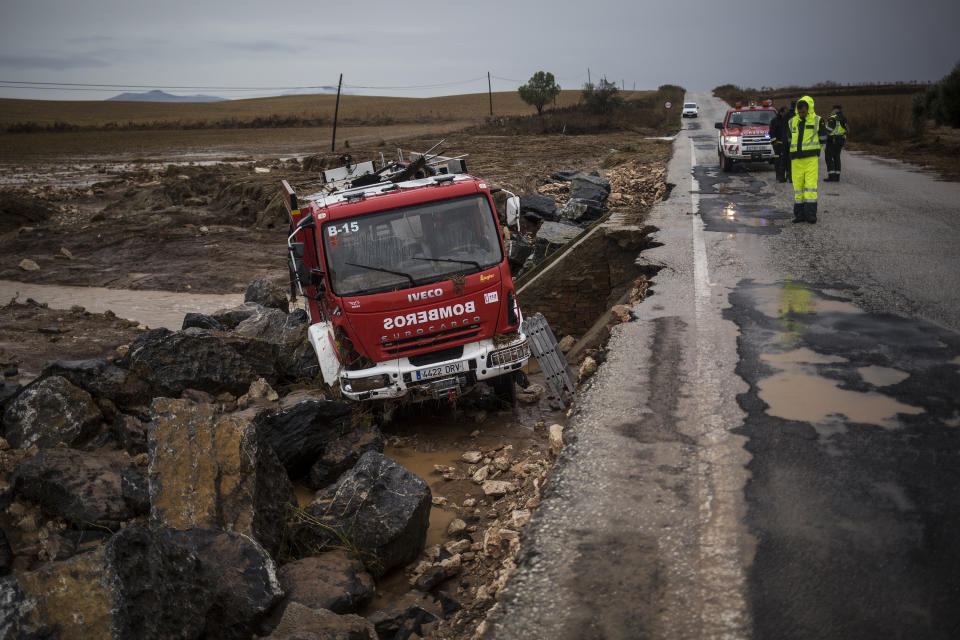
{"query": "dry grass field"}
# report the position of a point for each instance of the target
(310, 110)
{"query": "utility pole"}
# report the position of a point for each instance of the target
(336, 111)
(588, 75)
(490, 92)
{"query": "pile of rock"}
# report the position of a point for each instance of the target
(152, 495)
(473, 565)
(570, 201)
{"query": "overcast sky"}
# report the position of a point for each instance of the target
(438, 48)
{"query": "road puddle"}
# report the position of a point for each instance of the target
(151, 308)
(882, 376)
(815, 380)
(807, 397)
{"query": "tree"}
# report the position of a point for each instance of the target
(539, 90)
(601, 97)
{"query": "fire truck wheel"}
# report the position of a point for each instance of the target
(726, 163)
(504, 388)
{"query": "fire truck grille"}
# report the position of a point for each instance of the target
(756, 139)
(404, 346)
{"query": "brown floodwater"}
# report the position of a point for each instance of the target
(151, 308)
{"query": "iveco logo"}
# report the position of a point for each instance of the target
(423, 295)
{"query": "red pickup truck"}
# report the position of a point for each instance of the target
(745, 136)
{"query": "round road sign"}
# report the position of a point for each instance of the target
(667, 104)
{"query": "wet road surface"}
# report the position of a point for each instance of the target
(772, 449)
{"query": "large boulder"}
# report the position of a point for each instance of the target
(378, 508)
(333, 581)
(48, 411)
(341, 454)
(518, 250)
(190, 359)
(582, 211)
(197, 583)
(6, 557)
(538, 207)
(551, 237)
(66, 599)
(146, 584)
(130, 433)
(200, 321)
(294, 358)
(230, 317)
(264, 324)
(303, 623)
(589, 187)
(8, 391)
(90, 490)
(262, 292)
(213, 470)
(299, 435)
(405, 615)
(101, 378)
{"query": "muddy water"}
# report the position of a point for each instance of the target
(151, 308)
(808, 385)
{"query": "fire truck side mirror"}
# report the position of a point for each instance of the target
(513, 209)
(718, 125)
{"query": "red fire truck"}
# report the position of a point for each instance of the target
(745, 135)
(403, 269)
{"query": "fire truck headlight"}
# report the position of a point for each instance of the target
(367, 383)
(513, 310)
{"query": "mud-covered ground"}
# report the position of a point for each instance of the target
(212, 227)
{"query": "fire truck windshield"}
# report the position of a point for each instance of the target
(758, 117)
(411, 246)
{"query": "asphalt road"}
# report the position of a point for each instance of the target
(772, 448)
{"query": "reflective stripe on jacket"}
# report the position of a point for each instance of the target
(805, 135)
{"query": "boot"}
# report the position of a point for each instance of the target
(798, 215)
(810, 210)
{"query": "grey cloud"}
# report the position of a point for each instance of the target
(55, 62)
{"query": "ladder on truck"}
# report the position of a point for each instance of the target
(545, 349)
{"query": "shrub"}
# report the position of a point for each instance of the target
(539, 90)
(602, 97)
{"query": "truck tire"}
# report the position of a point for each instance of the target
(505, 388)
(726, 163)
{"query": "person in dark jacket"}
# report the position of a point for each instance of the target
(779, 136)
(786, 144)
(837, 122)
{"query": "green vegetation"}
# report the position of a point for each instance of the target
(539, 90)
(602, 97)
(606, 109)
(940, 102)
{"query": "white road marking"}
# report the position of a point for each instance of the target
(723, 609)
(701, 274)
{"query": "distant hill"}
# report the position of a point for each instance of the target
(160, 96)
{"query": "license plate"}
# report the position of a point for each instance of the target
(442, 370)
(755, 148)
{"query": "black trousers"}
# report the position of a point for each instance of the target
(834, 145)
(782, 162)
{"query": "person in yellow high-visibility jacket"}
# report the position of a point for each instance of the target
(808, 133)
